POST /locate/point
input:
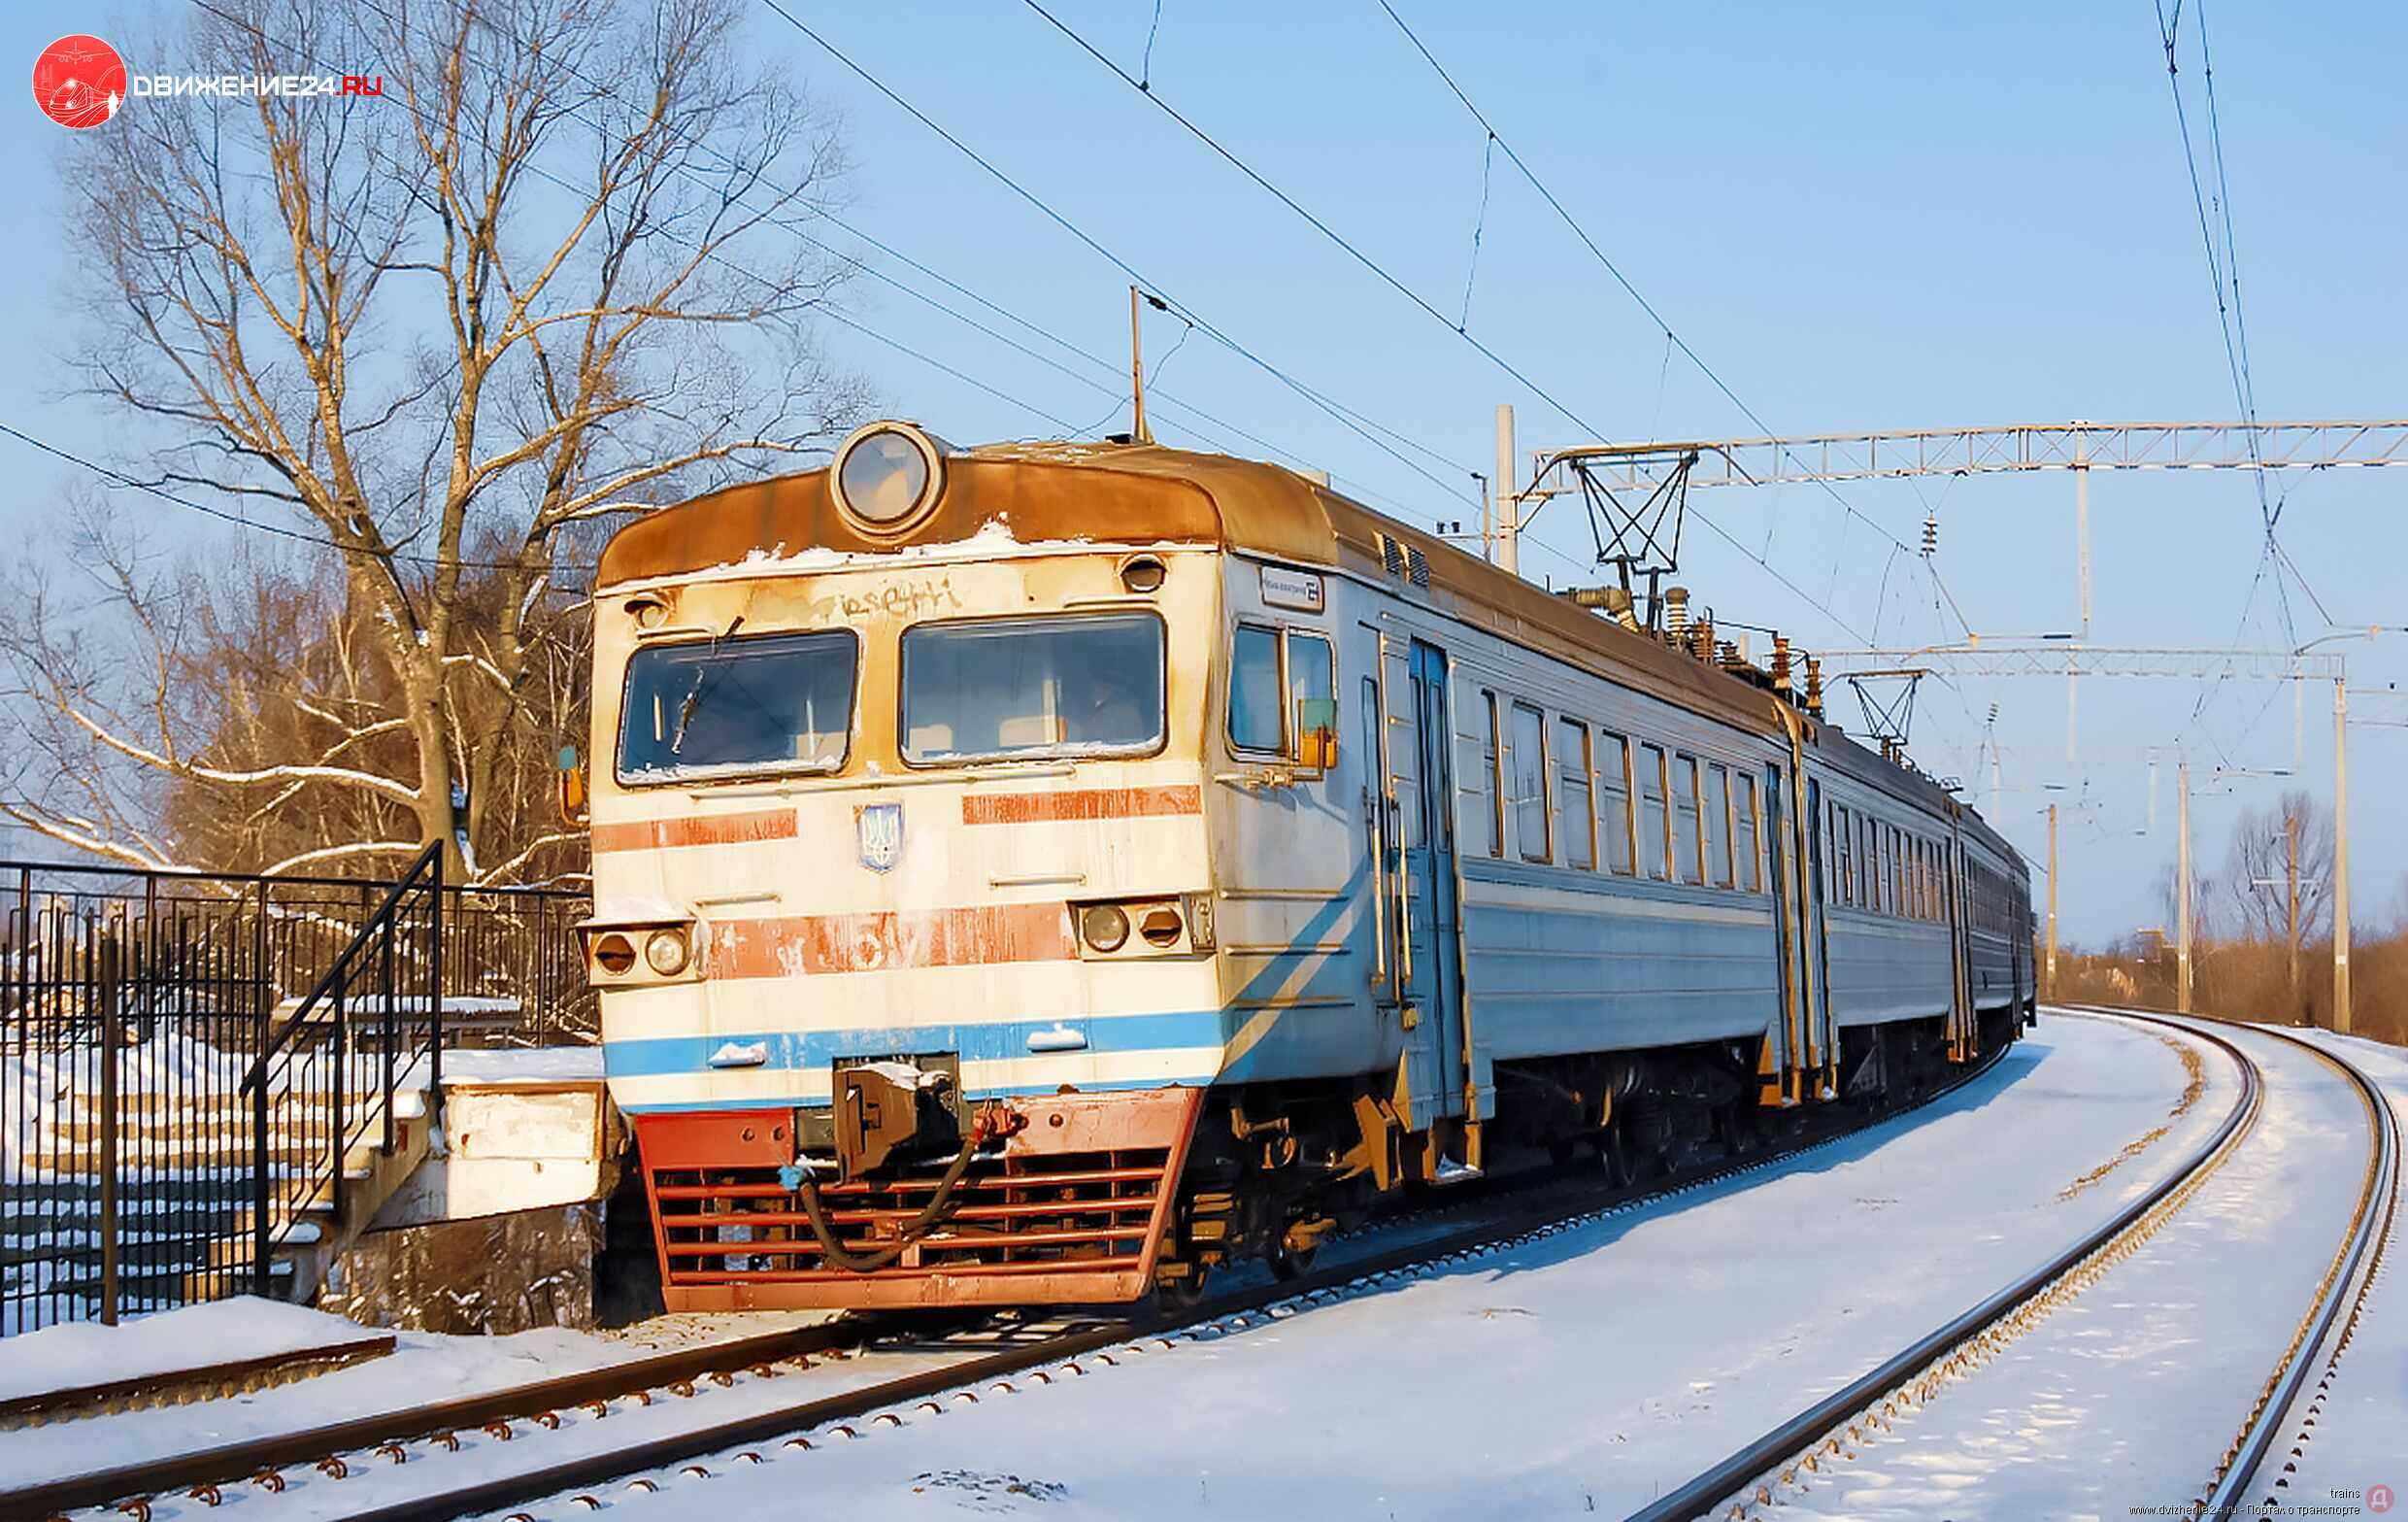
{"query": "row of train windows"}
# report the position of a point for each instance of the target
(1592, 800)
(1879, 868)
(1995, 908)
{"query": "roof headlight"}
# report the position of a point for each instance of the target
(887, 475)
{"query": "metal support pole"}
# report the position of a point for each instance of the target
(2051, 901)
(2082, 524)
(2073, 711)
(1508, 494)
(2298, 724)
(112, 1047)
(2290, 938)
(2181, 897)
(2341, 856)
(1137, 372)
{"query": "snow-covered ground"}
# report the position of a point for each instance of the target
(80, 1355)
(1586, 1370)
(424, 1368)
(2358, 1443)
(1590, 1369)
(2126, 1394)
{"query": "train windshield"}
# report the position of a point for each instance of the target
(1081, 686)
(765, 703)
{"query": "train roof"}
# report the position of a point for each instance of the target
(1145, 494)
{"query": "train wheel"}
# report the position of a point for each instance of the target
(1180, 1293)
(1616, 1155)
(1290, 1263)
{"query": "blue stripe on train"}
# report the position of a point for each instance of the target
(1003, 1091)
(650, 1057)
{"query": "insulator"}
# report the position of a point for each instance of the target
(1931, 534)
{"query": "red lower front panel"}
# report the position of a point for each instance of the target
(1072, 1212)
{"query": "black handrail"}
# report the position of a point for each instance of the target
(324, 1114)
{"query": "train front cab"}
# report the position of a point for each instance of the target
(916, 814)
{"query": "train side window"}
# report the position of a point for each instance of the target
(1527, 740)
(1654, 827)
(1312, 676)
(1743, 834)
(1256, 721)
(1718, 825)
(1684, 844)
(1492, 759)
(1897, 874)
(1843, 869)
(1614, 802)
(1576, 825)
(1868, 881)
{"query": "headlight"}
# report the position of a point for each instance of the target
(665, 951)
(613, 954)
(1160, 928)
(1104, 925)
(886, 474)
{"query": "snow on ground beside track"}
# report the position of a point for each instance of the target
(423, 1366)
(81, 1354)
(2126, 1396)
(1587, 1371)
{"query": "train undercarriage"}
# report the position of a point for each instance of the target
(937, 1201)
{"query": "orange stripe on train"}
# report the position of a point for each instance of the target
(797, 945)
(1031, 808)
(701, 829)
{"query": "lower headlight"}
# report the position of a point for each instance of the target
(1105, 925)
(1160, 928)
(665, 951)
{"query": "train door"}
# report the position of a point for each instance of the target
(1431, 957)
(1960, 1021)
(1821, 1043)
(1776, 1061)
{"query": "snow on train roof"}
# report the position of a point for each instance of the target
(1026, 498)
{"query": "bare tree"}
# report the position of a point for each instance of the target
(2273, 851)
(543, 278)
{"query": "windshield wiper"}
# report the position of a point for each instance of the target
(693, 694)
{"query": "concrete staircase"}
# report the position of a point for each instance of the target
(184, 1199)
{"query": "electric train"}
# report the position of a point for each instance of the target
(1042, 874)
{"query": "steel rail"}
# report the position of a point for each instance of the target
(576, 1473)
(239, 1461)
(1813, 1425)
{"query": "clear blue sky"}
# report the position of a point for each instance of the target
(1885, 216)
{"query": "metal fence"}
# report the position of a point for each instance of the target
(133, 1006)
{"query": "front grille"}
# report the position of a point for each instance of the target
(1020, 1215)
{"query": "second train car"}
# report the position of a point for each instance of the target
(1042, 874)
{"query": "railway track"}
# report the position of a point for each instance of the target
(2238, 1481)
(305, 1460)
